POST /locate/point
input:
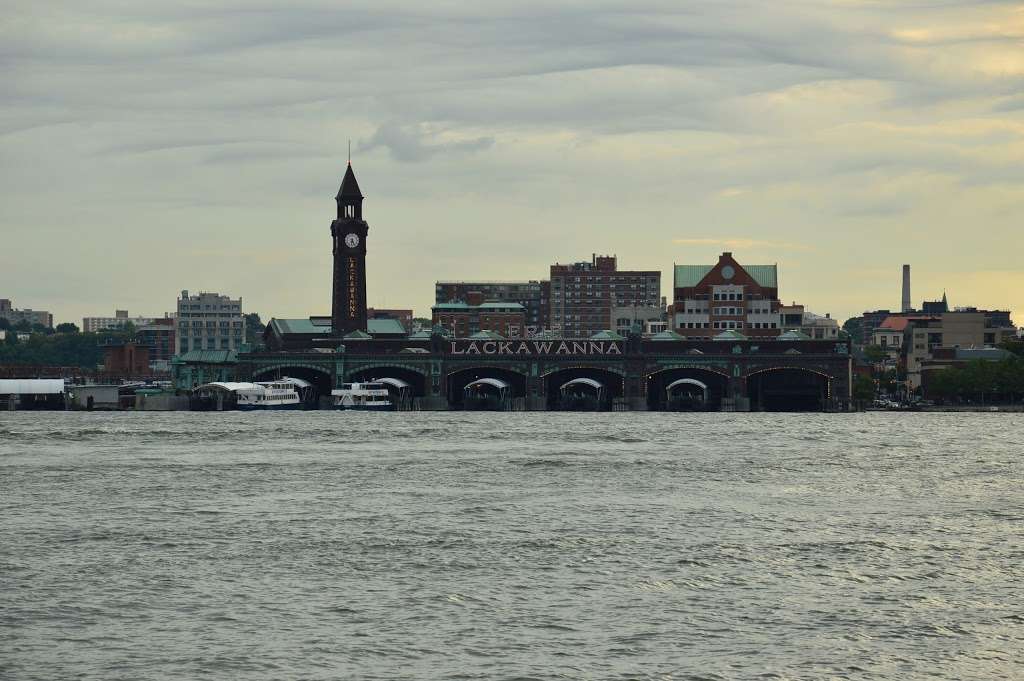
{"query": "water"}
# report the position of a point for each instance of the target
(329, 545)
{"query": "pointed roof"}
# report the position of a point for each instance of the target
(486, 335)
(794, 335)
(349, 187)
(729, 335)
(667, 335)
(607, 335)
(357, 335)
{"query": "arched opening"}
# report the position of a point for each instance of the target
(484, 394)
(319, 382)
(686, 389)
(788, 389)
(404, 385)
(567, 390)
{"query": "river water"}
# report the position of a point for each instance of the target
(323, 545)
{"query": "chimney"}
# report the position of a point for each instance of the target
(906, 306)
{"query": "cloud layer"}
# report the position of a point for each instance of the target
(196, 142)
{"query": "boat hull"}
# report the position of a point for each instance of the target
(270, 407)
(360, 407)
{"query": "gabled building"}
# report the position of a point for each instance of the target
(727, 296)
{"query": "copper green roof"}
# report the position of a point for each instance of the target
(794, 335)
(667, 335)
(729, 335)
(385, 326)
(357, 335)
(457, 305)
(487, 335)
(607, 335)
(687, 276)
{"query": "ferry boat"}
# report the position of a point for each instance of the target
(270, 395)
(362, 397)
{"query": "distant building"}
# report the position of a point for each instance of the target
(647, 317)
(126, 358)
(710, 299)
(118, 321)
(795, 318)
(583, 294)
(465, 318)
(31, 316)
(209, 321)
(532, 295)
(964, 328)
(404, 317)
(160, 337)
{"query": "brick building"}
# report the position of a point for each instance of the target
(532, 295)
(403, 317)
(583, 295)
(126, 358)
(464, 318)
(710, 299)
(160, 337)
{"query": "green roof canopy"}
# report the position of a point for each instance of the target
(729, 336)
(607, 335)
(667, 335)
(486, 335)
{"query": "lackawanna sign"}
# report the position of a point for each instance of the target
(525, 347)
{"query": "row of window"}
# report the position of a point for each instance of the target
(728, 296)
(727, 325)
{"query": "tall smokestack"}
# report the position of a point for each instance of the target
(906, 305)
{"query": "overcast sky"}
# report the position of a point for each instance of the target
(149, 147)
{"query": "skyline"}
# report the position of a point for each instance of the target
(197, 147)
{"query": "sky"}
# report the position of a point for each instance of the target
(150, 147)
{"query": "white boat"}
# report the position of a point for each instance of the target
(362, 397)
(269, 395)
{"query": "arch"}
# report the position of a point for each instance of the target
(687, 387)
(355, 367)
(496, 387)
(788, 388)
(592, 388)
(611, 369)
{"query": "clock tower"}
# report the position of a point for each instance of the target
(348, 236)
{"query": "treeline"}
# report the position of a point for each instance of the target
(58, 349)
(980, 382)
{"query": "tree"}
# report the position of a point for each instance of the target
(67, 327)
(853, 327)
(875, 354)
(23, 326)
(863, 389)
(5, 324)
(41, 328)
(254, 328)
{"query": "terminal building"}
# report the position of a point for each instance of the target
(585, 364)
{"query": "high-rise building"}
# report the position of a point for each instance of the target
(29, 315)
(584, 293)
(529, 294)
(159, 337)
(209, 321)
(710, 299)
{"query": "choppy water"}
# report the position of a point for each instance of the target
(511, 546)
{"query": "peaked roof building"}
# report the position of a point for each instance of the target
(727, 296)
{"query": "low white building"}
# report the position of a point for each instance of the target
(118, 321)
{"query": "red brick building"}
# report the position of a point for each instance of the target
(127, 358)
(584, 293)
(464, 318)
(710, 299)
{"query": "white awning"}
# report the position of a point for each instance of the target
(228, 386)
(31, 386)
(493, 382)
(297, 382)
(596, 385)
(393, 382)
(687, 381)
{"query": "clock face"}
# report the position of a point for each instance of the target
(351, 240)
(728, 272)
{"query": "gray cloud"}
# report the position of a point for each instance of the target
(606, 125)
